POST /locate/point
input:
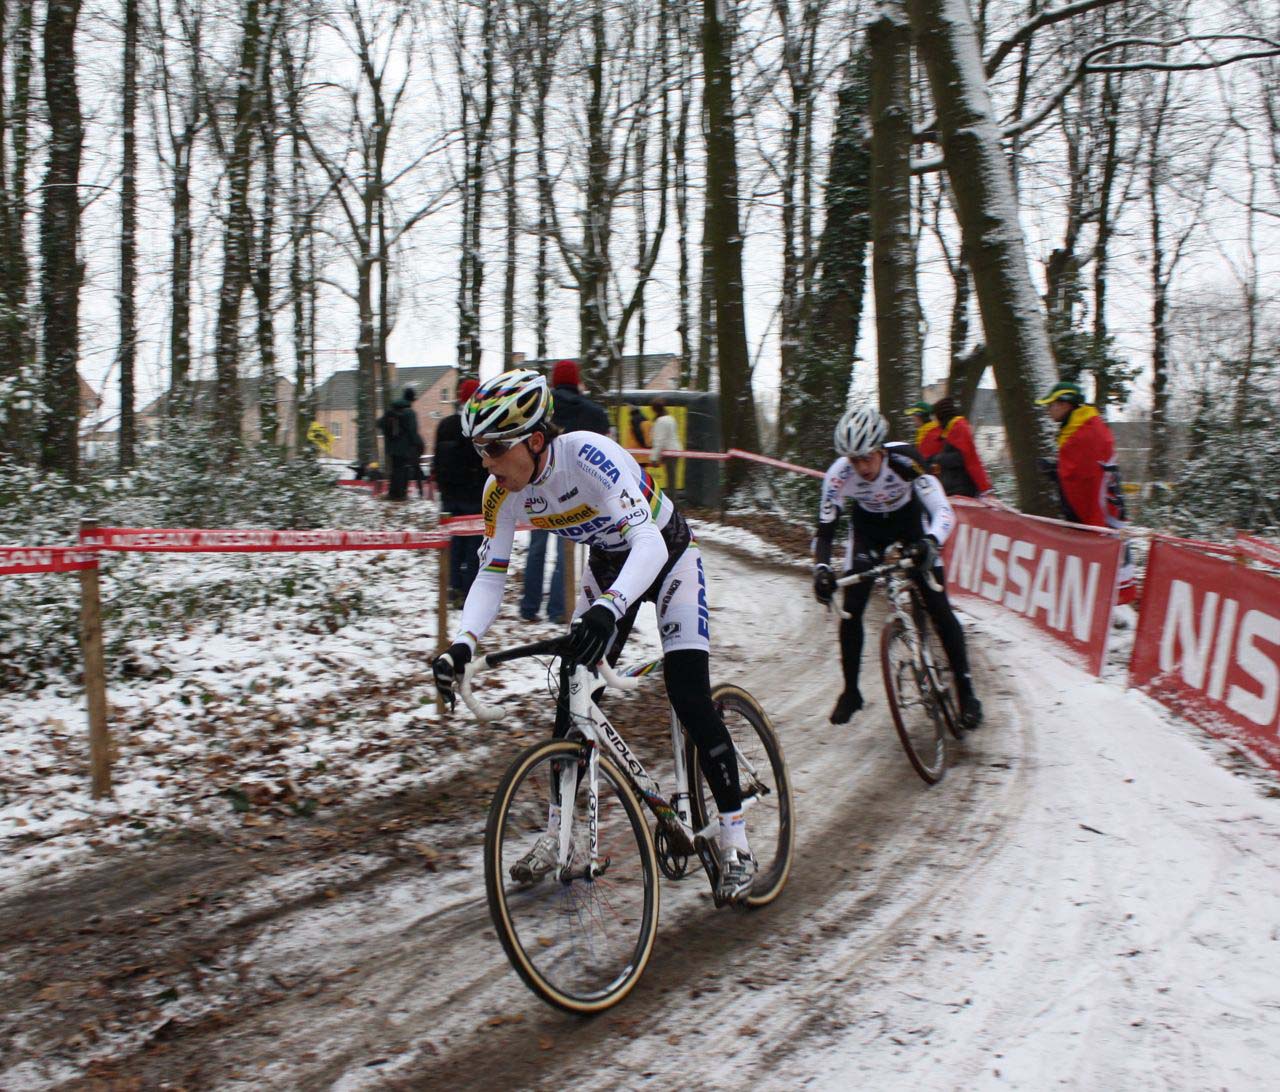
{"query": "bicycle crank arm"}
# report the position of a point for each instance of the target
(709, 855)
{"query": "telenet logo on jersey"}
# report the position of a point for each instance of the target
(494, 495)
(571, 518)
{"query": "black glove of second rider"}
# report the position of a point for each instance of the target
(824, 583)
(924, 551)
(447, 667)
(590, 635)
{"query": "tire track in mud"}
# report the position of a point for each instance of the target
(824, 928)
(423, 997)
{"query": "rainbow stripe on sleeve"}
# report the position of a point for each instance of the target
(652, 493)
(498, 565)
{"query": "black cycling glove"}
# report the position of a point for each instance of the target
(824, 583)
(924, 551)
(590, 635)
(447, 667)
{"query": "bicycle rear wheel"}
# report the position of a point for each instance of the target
(917, 714)
(766, 790)
(579, 942)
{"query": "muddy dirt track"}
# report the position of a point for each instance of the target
(356, 951)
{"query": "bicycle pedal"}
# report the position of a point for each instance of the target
(709, 855)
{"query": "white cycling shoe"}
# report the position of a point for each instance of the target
(737, 872)
(539, 862)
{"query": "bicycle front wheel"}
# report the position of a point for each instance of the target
(913, 702)
(766, 790)
(579, 941)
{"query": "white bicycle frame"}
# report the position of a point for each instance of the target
(588, 722)
(898, 592)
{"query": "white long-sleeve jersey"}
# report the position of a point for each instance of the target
(591, 490)
(900, 504)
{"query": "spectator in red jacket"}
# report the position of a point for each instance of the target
(1088, 480)
(1085, 450)
(959, 465)
(928, 439)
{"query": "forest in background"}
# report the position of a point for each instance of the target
(232, 188)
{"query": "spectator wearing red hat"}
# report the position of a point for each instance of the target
(460, 475)
(572, 411)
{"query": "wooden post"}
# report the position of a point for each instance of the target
(442, 609)
(95, 675)
(570, 577)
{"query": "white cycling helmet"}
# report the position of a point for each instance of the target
(861, 431)
(509, 405)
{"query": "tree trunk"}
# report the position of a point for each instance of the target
(180, 279)
(268, 410)
(706, 309)
(128, 237)
(544, 53)
(300, 228)
(825, 366)
(1014, 326)
(738, 424)
(681, 185)
(893, 260)
(1102, 240)
(19, 381)
(593, 279)
(62, 271)
(238, 234)
(477, 150)
(513, 227)
(367, 399)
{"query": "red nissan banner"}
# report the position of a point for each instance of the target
(16, 560)
(1208, 644)
(194, 540)
(1259, 549)
(1058, 576)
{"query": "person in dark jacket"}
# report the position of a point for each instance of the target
(460, 476)
(572, 411)
(399, 426)
(959, 466)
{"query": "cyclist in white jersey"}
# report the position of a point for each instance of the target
(585, 487)
(890, 499)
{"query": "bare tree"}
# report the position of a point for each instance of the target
(237, 235)
(62, 270)
(724, 235)
(1016, 337)
(18, 378)
(128, 235)
(180, 117)
(362, 180)
(898, 342)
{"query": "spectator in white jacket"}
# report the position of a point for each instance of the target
(664, 441)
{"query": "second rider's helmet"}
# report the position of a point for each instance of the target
(861, 431)
(507, 407)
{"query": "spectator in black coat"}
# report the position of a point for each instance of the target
(573, 412)
(404, 444)
(460, 477)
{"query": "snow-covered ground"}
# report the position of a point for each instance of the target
(1090, 899)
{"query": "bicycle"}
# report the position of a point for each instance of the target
(581, 936)
(917, 679)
